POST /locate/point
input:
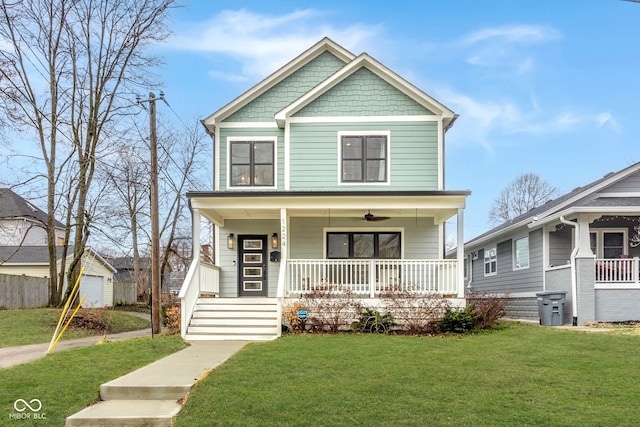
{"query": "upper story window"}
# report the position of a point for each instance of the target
(364, 158)
(521, 253)
(490, 261)
(252, 163)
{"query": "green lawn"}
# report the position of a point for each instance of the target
(67, 381)
(517, 375)
(31, 326)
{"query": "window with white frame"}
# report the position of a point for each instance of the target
(364, 244)
(364, 158)
(490, 261)
(609, 242)
(252, 163)
(521, 253)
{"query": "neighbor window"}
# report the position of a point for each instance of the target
(364, 158)
(521, 253)
(363, 245)
(490, 261)
(252, 163)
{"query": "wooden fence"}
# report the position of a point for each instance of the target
(23, 291)
(124, 293)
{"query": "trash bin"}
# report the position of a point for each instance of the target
(551, 307)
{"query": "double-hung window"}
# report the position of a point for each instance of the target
(490, 261)
(364, 158)
(252, 163)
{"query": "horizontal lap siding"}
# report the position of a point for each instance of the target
(420, 238)
(508, 280)
(413, 153)
(248, 133)
(630, 184)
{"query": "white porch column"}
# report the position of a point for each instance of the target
(284, 251)
(460, 253)
(195, 229)
(583, 238)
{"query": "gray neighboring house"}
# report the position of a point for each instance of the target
(24, 251)
(586, 243)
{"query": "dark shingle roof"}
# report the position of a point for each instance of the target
(556, 203)
(14, 206)
(27, 254)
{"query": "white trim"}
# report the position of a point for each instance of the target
(381, 229)
(216, 160)
(385, 133)
(484, 262)
(365, 61)
(513, 252)
(614, 286)
(629, 194)
(274, 139)
(246, 125)
(364, 119)
(440, 155)
(287, 157)
(599, 231)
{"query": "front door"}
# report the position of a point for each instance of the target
(252, 268)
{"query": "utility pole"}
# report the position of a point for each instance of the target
(155, 229)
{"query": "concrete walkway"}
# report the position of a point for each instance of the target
(10, 356)
(152, 395)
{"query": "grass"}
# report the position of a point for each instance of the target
(31, 326)
(517, 375)
(68, 381)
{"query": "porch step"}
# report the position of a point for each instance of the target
(248, 319)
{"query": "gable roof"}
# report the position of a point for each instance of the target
(39, 255)
(366, 61)
(572, 201)
(13, 206)
(324, 45)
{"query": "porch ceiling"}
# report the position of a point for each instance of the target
(217, 207)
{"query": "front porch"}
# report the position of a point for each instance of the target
(207, 315)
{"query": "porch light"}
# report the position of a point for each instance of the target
(274, 241)
(231, 241)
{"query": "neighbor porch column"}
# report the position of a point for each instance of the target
(460, 253)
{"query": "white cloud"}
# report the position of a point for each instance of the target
(513, 34)
(263, 43)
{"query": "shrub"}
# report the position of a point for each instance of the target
(90, 319)
(415, 313)
(488, 309)
(172, 319)
(330, 308)
(290, 315)
(458, 321)
(371, 320)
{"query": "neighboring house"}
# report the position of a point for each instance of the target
(328, 172)
(24, 251)
(586, 243)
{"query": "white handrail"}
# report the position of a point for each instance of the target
(618, 270)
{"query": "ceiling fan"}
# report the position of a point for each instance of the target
(371, 217)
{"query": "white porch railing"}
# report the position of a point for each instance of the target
(618, 270)
(202, 277)
(375, 276)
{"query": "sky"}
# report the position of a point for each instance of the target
(548, 87)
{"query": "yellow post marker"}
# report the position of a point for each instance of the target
(68, 322)
(65, 310)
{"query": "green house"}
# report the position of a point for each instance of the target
(329, 172)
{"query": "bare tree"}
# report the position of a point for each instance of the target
(526, 192)
(67, 72)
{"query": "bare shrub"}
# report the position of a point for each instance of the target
(415, 313)
(172, 319)
(331, 308)
(290, 315)
(488, 309)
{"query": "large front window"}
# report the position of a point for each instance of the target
(363, 245)
(364, 158)
(252, 163)
(609, 243)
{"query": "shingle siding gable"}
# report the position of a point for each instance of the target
(265, 106)
(363, 94)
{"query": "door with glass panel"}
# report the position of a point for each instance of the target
(252, 266)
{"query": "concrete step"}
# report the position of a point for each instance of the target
(124, 413)
(233, 321)
(252, 329)
(229, 337)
